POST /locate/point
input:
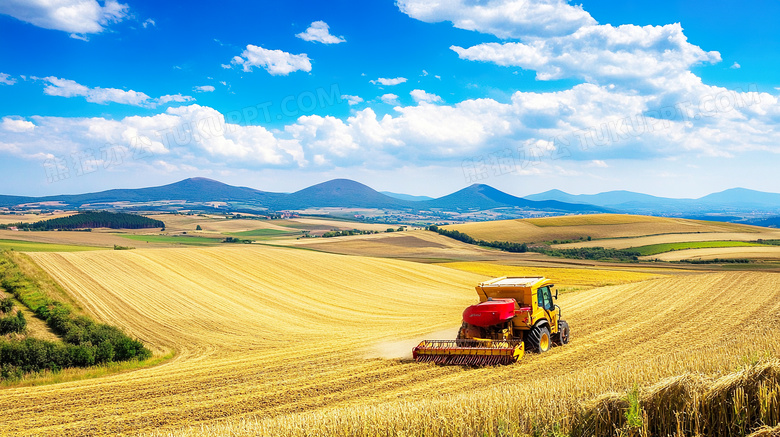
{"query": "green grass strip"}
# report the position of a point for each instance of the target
(655, 249)
(170, 239)
(32, 246)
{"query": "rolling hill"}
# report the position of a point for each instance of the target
(337, 193)
(482, 197)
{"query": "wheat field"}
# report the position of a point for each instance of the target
(596, 226)
(275, 341)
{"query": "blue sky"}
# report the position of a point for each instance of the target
(668, 98)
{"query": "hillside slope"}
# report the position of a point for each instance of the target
(596, 226)
(282, 337)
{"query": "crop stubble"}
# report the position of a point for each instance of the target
(264, 334)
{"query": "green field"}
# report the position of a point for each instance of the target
(655, 249)
(266, 233)
(31, 246)
(170, 239)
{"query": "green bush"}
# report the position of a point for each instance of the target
(6, 305)
(13, 323)
(85, 342)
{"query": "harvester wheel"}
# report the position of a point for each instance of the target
(538, 339)
(563, 335)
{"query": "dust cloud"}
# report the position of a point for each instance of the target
(402, 349)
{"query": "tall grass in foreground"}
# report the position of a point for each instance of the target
(732, 390)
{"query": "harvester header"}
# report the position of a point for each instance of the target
(515, 315)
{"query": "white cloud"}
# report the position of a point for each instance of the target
(424, 73)
(77, 17)
(735, 66)
(588, 123)
(13, 124)
(503, 18)
(318, 32)
(352, 100)
(204, 89)
(390, 99)
(640, 57)
(422, 96)
(148, 22)
(275, 62)
(178, 98)
(70, 88)
(6, 79)
(388, 82)
(186, 136)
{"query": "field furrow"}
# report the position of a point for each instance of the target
(264, 333)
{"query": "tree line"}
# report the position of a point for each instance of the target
(589, 253)
(89, 220)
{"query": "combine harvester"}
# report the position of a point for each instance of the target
(514, 315)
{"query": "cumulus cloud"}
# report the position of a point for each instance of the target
(422, 96)
(148, 22)
(633, 55)
(735, 66)
(389, 98)
(187, 135)
(388, 82)
(168, 98)
(16, 124)
(6, 79)
(352, 100)
(70, 88)
(319, 32)
(588, 123)
(77, 17)
(503, 18)
(203, 89)
(275, 62)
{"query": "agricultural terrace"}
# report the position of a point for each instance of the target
(275, 341)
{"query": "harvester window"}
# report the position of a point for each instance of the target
(545, 298)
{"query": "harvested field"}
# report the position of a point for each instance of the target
(72, 238)
(593, 219)
(342, 225)
(31, 218)
(274, 341)
(596, 226)
(625, 243)
(565, 278)
(410, 245)
(29, 246)
(214, 224)
(762, 253)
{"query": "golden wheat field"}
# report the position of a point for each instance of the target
(30, 217)
(596, 226)
(566, 279)
(407, 245)
(275, 341)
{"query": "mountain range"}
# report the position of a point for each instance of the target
(337, 193)
(345, 193)
(734, 200)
